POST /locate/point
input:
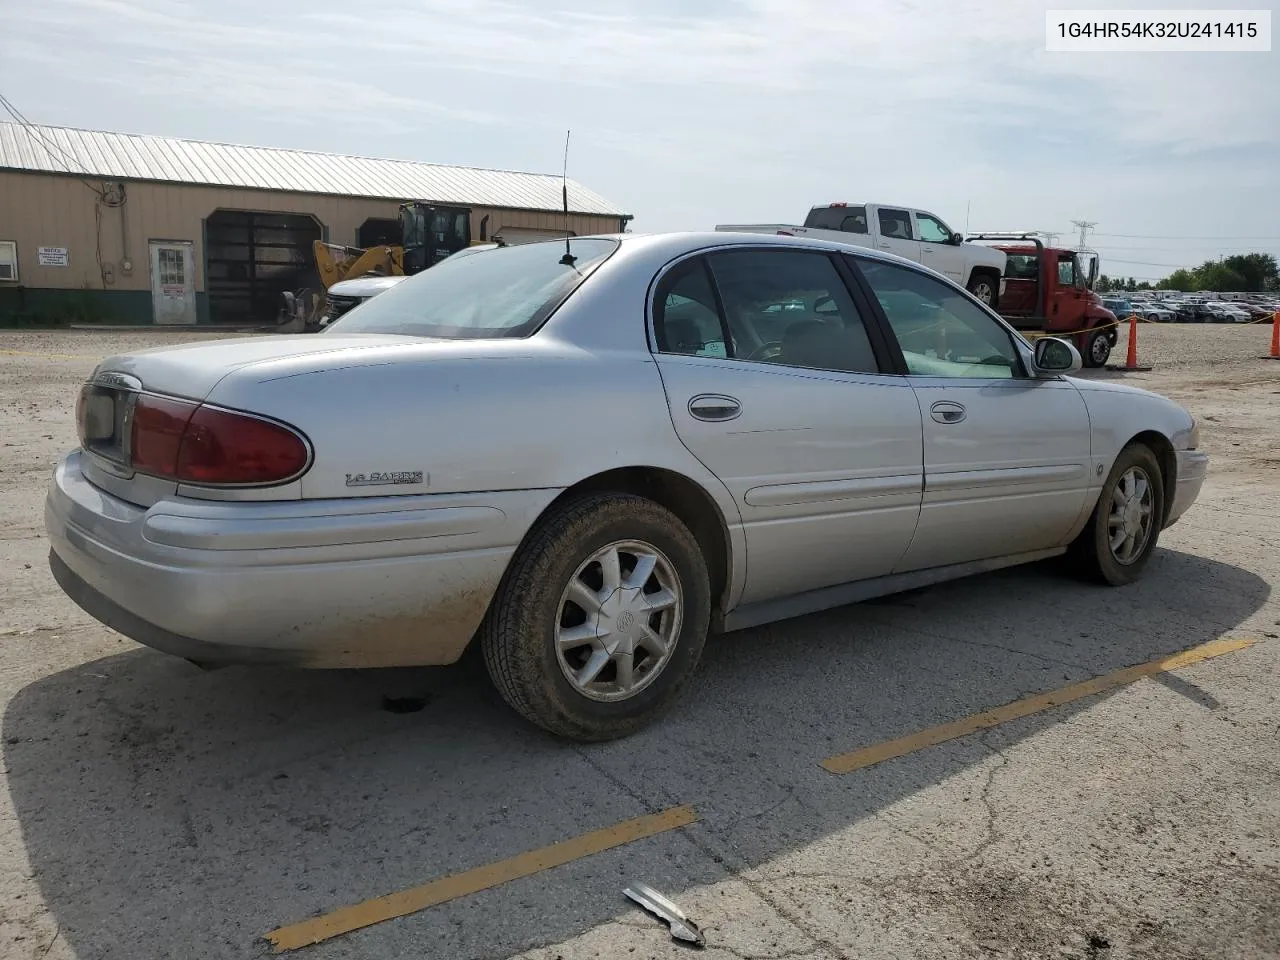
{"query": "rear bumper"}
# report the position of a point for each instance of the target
(377, 581)
(1193, 467)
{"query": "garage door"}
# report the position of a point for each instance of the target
(253, 257)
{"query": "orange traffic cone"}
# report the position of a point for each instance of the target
(1275, 337)
(1131, 361)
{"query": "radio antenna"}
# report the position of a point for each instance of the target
(568, 259)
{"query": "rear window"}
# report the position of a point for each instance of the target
(844, 219)
(1022, 266)
(507, 292)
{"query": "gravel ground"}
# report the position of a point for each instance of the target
(154, 810)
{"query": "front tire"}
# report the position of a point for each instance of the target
(1117, 542)
(1097, 349)
(600, 619)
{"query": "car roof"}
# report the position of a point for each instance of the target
(680, 243)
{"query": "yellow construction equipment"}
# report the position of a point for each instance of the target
(335, 262)
(428, 233)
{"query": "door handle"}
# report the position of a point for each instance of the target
(714, 406)
(885, 245)
(947, 411)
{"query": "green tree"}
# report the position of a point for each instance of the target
(1217, 275)
(1255, 270)
(1181, 280)
(1103, 284)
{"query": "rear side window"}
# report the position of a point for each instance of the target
(844, 219)
(505, 292)
(792, 308)
(895, 224)
(686, 318)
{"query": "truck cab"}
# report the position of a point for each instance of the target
(1050, 290)
(905, 231)
(431, 232)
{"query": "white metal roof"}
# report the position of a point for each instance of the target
(127, 156)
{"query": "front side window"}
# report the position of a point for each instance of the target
(932, 229)
(1066, 273)
(895, 224)
(941, 331)
(791, 308)
(505, 292)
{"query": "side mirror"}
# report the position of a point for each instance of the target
(1055, 357)
(957, 239)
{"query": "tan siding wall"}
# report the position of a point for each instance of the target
(42, 210)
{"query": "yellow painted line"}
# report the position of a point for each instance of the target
(1037, 703)
(457, 885)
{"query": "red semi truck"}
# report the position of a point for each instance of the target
(1049, 290)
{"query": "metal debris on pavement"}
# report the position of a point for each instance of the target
(682, 928)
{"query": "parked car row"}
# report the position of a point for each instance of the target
(1193, 309)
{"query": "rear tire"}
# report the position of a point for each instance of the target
(1117, 542)
(587, 554)
(985, 288)
(1097, 348)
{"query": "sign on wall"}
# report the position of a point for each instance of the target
(53, 256)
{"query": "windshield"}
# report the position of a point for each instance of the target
(506, 292)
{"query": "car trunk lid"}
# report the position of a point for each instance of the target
(192, 370)
(105, 405)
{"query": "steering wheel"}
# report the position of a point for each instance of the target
(758, 352)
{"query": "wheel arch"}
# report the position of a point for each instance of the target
(988, 272)
(684, 497)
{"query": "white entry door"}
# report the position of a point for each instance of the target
(173, 282)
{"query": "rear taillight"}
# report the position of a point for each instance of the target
(192, 443)
(158, 426)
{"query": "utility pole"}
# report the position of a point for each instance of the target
(1084, 226)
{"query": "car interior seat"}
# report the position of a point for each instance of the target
(826, 345)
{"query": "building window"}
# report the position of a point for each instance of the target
(8, 260)
(171, 267)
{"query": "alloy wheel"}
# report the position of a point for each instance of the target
(1130, 519)
(618, 620)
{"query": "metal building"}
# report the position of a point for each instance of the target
(120, 228)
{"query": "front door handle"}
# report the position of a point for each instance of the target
(713, 407)
(947, 411)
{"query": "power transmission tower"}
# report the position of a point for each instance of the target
(1084, 226)
(1051, 239)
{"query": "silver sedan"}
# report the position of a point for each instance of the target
(585, 456)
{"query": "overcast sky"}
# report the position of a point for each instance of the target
(707, 111)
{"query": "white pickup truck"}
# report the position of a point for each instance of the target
(914, 234)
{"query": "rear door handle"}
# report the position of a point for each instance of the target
(713, 407)
(947, 411)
